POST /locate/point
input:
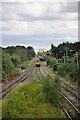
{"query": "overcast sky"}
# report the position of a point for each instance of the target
(38, 23)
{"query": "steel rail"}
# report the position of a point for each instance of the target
(71, 91)
(3, 92)
(71, 103)
(66, 112)
(69, 86)
(13, 82)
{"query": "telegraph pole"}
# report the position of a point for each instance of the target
(66, 54)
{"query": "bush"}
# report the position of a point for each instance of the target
(28, 101)
(52, 62)
(52, 89)
(69, 68)
(16, 60)
(55, 67)
(75, 74)
(25, 65)
(7, 65)
(61, 68)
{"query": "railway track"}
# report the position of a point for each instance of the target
(66, 112)
(73, 92)
(43, 70)
(74, 102)
(68, 85)
(71, 103)
(7, 88)
(71, 96)
(70, 89)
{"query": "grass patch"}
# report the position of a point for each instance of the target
(28, 101)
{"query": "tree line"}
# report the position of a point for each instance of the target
(65, 59)
(15, 58)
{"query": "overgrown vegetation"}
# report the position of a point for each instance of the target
(14, 59)
(65, 59)
(34, 100)
(52, 89)
(65, 68)
(52, 61)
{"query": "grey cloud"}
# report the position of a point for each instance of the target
(70, 7)
(49, 26)
(12, 11)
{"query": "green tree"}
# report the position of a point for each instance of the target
(30, 52)
(16, 60)
(7, 65)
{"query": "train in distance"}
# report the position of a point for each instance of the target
(41, 57)
(37, 62)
